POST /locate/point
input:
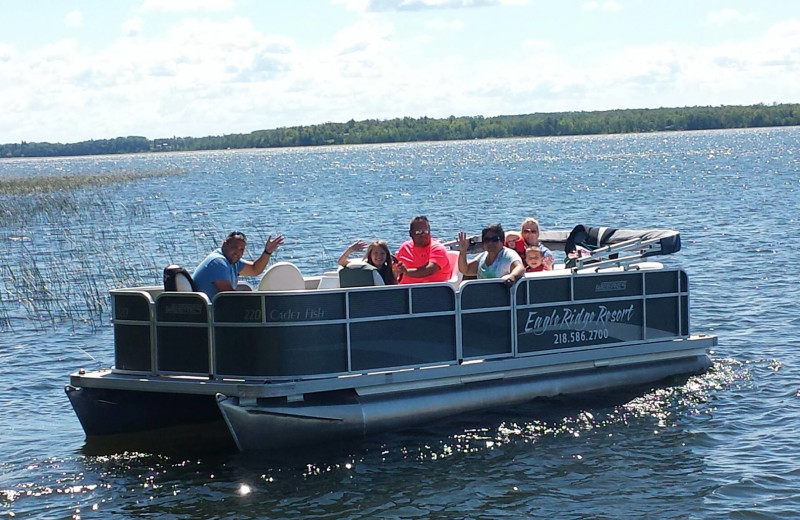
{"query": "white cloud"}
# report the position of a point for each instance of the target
(74, 19)
(212, 77)
(132, 27)
(724, 17)
(444, 25)
(419, 5)
(187, 5)
(353, 5)
(609, 5)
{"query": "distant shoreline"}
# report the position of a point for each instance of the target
(407, 129)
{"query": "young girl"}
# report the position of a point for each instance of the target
(377, 255)
(534, 260)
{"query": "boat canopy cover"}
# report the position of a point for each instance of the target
(664, 241)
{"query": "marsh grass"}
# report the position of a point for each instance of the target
(50, 183)
(69, 240)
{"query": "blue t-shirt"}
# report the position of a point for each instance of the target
(501, 265)
(216, 267)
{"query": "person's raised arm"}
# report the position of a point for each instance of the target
(467, 268)
(357, 246)
(257, 267)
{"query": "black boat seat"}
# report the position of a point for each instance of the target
(359, 274)
(178, 279)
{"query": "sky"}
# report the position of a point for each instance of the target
(74, 70)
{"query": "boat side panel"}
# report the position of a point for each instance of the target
(332, 332)
(132, 346)
(281, 351)
(403, 342)
(623, 285)
(133, 330)
(605, 308)
(486, 334)
(663, 317)
(578, 325)
(182, 333)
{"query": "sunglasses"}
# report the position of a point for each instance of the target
(493, 238)
(422, 232)
(233, 234)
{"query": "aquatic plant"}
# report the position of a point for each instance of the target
(70, 239)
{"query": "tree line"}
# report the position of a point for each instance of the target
(410, 129)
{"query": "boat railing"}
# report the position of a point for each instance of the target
(602, 257)
(303, 334)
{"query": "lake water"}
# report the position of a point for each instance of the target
(721, 445)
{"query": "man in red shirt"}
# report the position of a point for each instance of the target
(422, 259)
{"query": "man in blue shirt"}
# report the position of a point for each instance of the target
(221, 268)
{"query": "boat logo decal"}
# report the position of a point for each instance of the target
(184, 308)
(576, 319)
(304, 314)
(618, 285)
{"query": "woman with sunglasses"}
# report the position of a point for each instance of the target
(496, 261)
(529, 236)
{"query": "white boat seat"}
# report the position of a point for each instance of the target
(282, 276)
(456, 276)
(329, 280)
(359, 274)
(178, 279)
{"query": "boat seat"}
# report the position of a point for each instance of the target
(329, 280)
(456, 276)
(359, 274)
(178, 279)
(282, 276)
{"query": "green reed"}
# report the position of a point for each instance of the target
(50, 183)
(69, 241)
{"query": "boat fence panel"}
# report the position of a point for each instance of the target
(604, 309)
(433, 298)
(410, 325)
(238, 307)
(378, 303)
(485, 319)
(589, 287)
(663, 317)
(684, 288)
(661, 282)
(544, 290)
(303, 308)
(489, 293)
(182, 333)
(133, 330)
(332, 332)
(403, 342)
(685, 315)
(279, 335)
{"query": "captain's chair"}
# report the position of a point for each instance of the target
(282, 276)
(359, 274)
(176, 278)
